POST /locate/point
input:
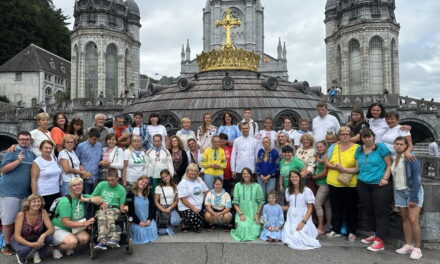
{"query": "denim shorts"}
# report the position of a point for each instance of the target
(401, 197)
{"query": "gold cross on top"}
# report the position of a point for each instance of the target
(228, 23)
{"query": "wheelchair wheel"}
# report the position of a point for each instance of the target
(130, 246)
(92, 251)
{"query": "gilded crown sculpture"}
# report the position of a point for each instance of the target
(229, 57)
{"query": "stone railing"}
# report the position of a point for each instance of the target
(420, 105)
(363, 101)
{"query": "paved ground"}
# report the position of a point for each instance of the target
(218, 247)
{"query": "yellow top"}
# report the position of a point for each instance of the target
(347, 160)
(214, 156)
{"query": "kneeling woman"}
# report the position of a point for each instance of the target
(218, 206)
(191, 191)
(33, 230)
(143, 229)
(299, 232)
(70, 222)
(248, 202)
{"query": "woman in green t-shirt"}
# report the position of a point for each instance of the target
(322, 198)
(287, 164)
(70, 221)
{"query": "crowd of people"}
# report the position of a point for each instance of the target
(286, 186)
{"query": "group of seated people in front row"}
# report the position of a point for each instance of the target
(221, 177)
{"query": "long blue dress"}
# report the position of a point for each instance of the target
(146, 234)
(273, 216)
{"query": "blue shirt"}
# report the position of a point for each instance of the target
(267, 165)
(372, 166)
(232, 131)
(89, 156)
(17, 182)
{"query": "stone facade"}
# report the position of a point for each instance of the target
(362, 46)
(249, 36)
(105, 48)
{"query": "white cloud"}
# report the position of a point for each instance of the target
(166, 24)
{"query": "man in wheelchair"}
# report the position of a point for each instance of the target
(113, 194)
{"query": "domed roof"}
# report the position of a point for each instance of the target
(217, 92)
(133, 8)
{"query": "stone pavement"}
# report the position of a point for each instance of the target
(219, 247)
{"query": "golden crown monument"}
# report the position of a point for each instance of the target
(229, 57)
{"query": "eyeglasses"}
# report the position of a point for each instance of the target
(24, 139)
(344, 134)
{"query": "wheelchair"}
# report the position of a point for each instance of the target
(123, 226)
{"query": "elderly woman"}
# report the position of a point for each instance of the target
(70, 220)
(218, 206)
(40, 133)
(33, 230)
(248, 203)
(59, 129)
(135, 161)
(112, 157)
(191, 191)
(186, 133)
(70, 165)
(158, 159)
(45, 174)
(342, 184)
(306, 153)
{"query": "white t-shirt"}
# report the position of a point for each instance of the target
(270, 134)
(433, 149)
(379, 126)
(49, 178)
(38, 137)
(322, 125)
(193, 191)
(169, 192)
(136, 131)
(159, 129)
(391, 134)
(64, 154)
(136, 164)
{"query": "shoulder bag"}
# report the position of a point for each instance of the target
(343, 177)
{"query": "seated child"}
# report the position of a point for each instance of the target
(272, 219)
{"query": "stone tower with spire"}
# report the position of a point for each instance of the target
(105, 49)
(362, 46)
(249, 36)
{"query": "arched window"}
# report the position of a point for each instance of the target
(339, 64)
(76, 58)
(376, 65)
(355, 67)
(111, 72)
(126, 69)
(394, 67)
(375, 11)
(170, 121)
(217, 118)
(91, 71)
(279, 119)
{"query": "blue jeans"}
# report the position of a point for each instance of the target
(64, 188)
(22, 251)
(209, 180)
(266, 186)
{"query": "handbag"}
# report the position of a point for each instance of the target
(163, 219)
(344, 177)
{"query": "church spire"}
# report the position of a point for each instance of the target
(182, 54)
(284, 51)
(188, 51)
(279, 49)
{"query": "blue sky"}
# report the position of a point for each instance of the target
(166, 24)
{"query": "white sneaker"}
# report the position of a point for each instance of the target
(56, 254)
(333, 234)
(37, 258)
(416, 254)
(70, 252)
(406, 249)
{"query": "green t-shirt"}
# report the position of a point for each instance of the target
(71, 210)
(285, 168)
(113, 196)
(318, 170)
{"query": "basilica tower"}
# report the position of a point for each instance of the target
(249, 36)
(362, 46)
(105, 48)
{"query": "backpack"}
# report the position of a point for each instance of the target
(54, 205)
(333, 92)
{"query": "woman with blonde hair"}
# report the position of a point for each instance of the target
(191, 191)
(41, 132)
(33, 230)
(141, 209)
(134, 162)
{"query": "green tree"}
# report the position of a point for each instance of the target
(4, 99)
(23, 22)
